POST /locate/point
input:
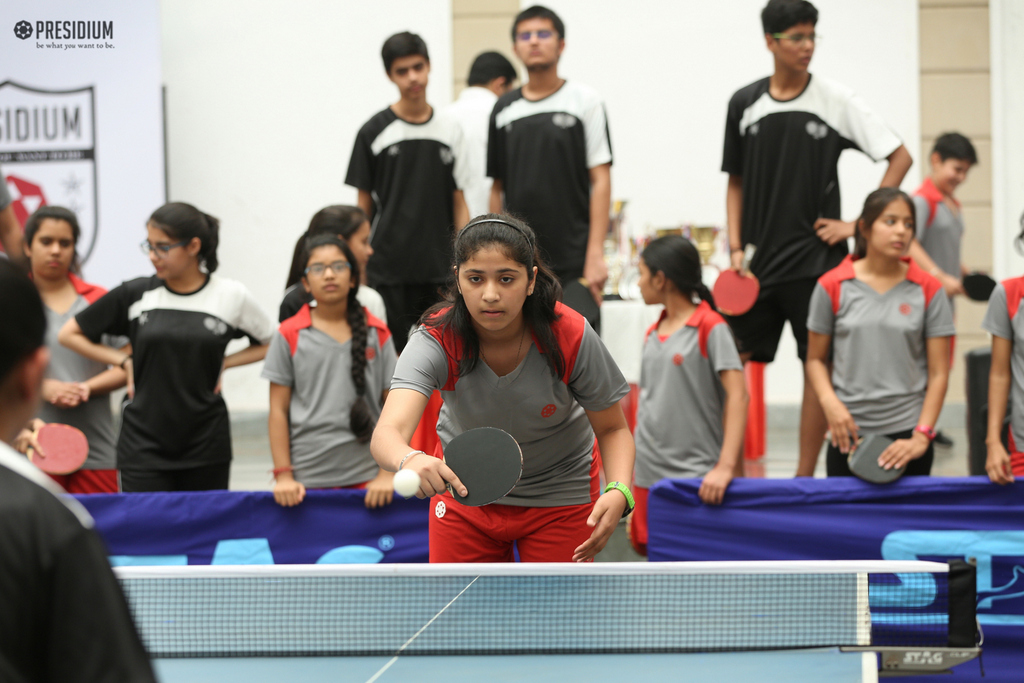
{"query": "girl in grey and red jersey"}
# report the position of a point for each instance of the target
(329, 368)
(693, 396)
(887, 324)
(76, 390)
(1006, 377)
(505, 353)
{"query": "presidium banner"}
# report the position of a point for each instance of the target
(81, 122)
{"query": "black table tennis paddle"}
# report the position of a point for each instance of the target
(978, 286)
(489, 463)
(863, 460)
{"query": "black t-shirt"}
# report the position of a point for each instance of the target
(412, 171)
(542, 152)
(177, 420)
(787, 154)
(63, 618)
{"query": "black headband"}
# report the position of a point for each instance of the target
(496, 220)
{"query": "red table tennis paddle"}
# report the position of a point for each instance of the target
(978, 286)
(64, 449)
(488, 461)
(736, 292)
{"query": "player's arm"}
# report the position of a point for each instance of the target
(734, 422)
(903, 451)
(950, 283)
(495, 201)
(287, 491)
(390, 443)
(460, 210)
(595, 270)
(618, 455)
(734, 220)
(900, 162)
(250, 354)
(11, 237)
(72, 337)
(840, 422)
(364, 200)
(997, 464)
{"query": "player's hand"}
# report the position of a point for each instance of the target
(603, 519)
(380, 490)
(129, 369)
(833, 231)
(712, 488)
(840, 424)
(997, 464)
(902, 451)
(736, 260)
(595, 272)
(952, 285)
(220, 380)
(27, 437)
(84, 391)
(288, 492)
(61, 394)
(434, 475)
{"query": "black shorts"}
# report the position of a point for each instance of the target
(758, 331)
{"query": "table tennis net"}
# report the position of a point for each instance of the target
(382, 610)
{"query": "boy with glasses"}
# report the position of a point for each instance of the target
(550, 155)
(783, 137)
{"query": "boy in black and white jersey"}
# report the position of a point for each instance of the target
(783, 138)
(550, 155)
(409, 166)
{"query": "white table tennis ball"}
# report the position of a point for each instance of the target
(407, 483)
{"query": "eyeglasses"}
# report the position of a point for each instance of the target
(318, 268)
(161, 250)
(543, 34)
(798, 38)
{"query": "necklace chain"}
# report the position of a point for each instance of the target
(522, 337)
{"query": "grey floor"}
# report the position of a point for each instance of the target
(250, 470)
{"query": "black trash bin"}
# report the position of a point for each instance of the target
(978, 363)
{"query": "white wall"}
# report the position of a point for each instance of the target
(667, 70)
(264, 100)
(1006, 19)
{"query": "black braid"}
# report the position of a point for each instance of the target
(360, 420)
(705, 295)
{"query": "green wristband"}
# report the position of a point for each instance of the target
(622, 488)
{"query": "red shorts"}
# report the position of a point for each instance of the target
(636, 525)
(89, 481)
(460, 533)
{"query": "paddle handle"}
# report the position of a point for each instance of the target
(748, 256)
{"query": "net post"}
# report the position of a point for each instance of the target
(963, 623)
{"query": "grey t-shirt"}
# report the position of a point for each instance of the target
(679, 427)
(94, 417)
(544, 413)
(1002, 320)
(879, 343)
(325, 452)
(5, 195)
(939, 230)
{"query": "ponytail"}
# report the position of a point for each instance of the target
(677, 259)
(208, 252)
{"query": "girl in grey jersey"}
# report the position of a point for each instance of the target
(886, 325)
(329, 369)
(505, 353)
(76, 389)
(693, 395)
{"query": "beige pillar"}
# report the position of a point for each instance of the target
(479, 26)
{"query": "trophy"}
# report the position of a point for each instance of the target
(706, 238)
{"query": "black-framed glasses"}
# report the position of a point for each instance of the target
(318, 269)
(543, 34)
(161, 250)
(798, 38)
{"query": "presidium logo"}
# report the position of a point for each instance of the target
(67, 35)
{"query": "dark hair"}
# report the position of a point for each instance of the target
(57, 213)
(183, 222)
(359, 419)
(337, 219)
(22, 310)
(539, 12)
(677, 259)
(955, 146)
(778, 15)
(1018, 242)
(874, 205)
(517, 241)
(400, 45)
(490, 65)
